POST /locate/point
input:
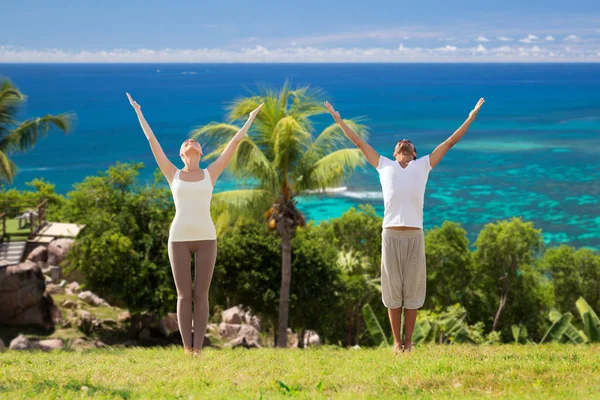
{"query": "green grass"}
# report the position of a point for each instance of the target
(12, 228)
(550, 371)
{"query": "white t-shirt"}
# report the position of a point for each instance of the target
(403, 191)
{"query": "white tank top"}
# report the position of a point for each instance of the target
(192, 210)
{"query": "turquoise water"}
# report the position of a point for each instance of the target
(533, 151)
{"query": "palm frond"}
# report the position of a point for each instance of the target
(234, 207)
(8, 169)
(333, 138)
(214, 134)
(290, 141)
(24, 136)
(251, 162)
(331, 170)
(306, 102)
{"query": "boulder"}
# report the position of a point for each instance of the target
(234, 331)
(233, 315)
(55, 273)
(48, 344)
(85, 323)
(74, 287)
(124, 316)
(242, 341)
(53, 288)
(253, 321)
(68, 304)
(38, 254)
(92, 299)
(109, 322)
(168, 325)
(144, 334)
(24, 298)
(58, 250)
(311, 338)
(20, 343)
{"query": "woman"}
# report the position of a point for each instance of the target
(192, 229)
(403, 180)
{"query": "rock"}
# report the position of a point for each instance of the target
(124, 316)
(232, 315)
(47, 279)
(40, 253)
(23, 297)
(292, 339)
(355, 347)
(68, 304)
(62, 283)
(68, 292)
(20, 343)
(144, 334)
(55, 273)
(168, 325)
(254, 321)
(99, 344)
(85, 323)
(74, 287)
(92, 299)
(236, 331)
(48, 344)
(242, 341)
(212, 328)
(58, 250)
(311, 338)
(54, 289)
(229, 331)
(109, 322)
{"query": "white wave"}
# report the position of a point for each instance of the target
(344, 192)
(328, 190)
(34, 169)
(363, 195)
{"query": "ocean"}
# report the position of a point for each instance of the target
(533, 151)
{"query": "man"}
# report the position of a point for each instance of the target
(403, 181)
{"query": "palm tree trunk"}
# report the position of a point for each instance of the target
(284, 294)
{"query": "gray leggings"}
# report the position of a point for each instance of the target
(180, 255)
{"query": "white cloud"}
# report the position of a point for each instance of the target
(482, 39)
(503, 49)
(529, 39)
(504, 39)
(447, 48)
(572, 38)
(550, 38)
(262, 54)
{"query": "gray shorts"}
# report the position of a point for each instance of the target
(403, 269)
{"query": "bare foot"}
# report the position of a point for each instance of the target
(196, 352)
(187, 350)
(408, 347)
(397, 348)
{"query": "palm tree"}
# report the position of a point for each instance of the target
(21, 136)
(281, 158)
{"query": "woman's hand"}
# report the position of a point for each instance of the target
(255, 112)
(473, 113)
(334, 114)
(133, 103)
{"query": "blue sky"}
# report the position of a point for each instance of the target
(302, 31)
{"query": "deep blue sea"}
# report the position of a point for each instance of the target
(534, 150)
